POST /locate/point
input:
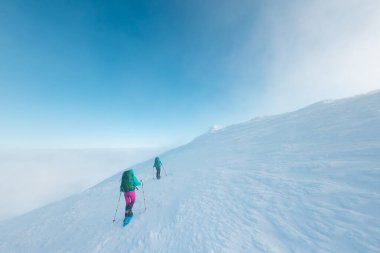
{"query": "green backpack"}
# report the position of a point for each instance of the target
(129, 181)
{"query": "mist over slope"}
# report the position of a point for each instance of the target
(305, 181)
(38, 177)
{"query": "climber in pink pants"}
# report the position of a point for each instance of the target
(128, 185)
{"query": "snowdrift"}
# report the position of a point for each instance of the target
(305, 181)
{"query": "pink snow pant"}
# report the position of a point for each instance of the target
(129, 197)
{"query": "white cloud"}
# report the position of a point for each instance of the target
(33, 178)
(323, 49)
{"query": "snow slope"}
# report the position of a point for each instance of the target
(306, 181)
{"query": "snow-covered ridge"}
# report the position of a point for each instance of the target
(215, 128)
(306, 181)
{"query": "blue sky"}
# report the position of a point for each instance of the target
(158, 73)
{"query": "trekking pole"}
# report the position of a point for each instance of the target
(164, 170)
(117, 207)
(142, 187)
(153, 172)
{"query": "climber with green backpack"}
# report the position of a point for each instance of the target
(157, 164)
(129, 183)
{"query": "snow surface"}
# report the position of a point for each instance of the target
(306, 181)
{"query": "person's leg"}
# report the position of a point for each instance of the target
(158, 172)
(128, 201)
(133, 197)
(130, 198)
